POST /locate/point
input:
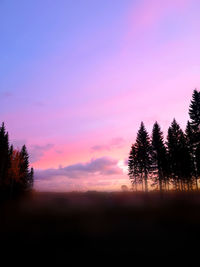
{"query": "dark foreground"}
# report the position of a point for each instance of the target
(58, 227)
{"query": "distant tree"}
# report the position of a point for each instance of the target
(4, 157)
(159, 157)
(24, 168)
(186, 163)
(133, 167)
(143, 154)
(194, 112)
(190, 139)
(30, 179)
(15, 176)
(179, 156)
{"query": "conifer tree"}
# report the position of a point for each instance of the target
(24, 167)
(186, 163)
(190, 139)
(143, 156)
(194, 112)
(4, 157)
(133, 170)
(159, 157)
(15, 176)
(179, 156)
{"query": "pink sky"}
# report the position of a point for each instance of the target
(77, 82)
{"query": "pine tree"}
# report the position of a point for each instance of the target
(190, 139)
(4, 157)
(24, 168)
(194, 110)
(159, 156)
(143, 148)
(133, 170)
(179, 156)
(186, 163)
(173, 151)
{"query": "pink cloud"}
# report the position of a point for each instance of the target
(97, 174)
(100, 166)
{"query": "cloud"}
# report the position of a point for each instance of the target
(114, 143)
(101, 166)
(36, 151)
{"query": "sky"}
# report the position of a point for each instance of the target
(78, 76)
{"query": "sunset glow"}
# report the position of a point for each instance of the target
(78, 77)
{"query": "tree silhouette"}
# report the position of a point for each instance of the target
(194, 113)
(194, 110)
(133, 167)
(4, 158)
(143, 154)
(180, 160)
(15, 176)
(159, 157)
(176, 162)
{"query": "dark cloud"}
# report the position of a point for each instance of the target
(36, 151)
(114, 143)
(100, 166)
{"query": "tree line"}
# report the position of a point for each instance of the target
(170, 164)
(15, 175)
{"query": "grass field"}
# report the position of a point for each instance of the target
(53, 227)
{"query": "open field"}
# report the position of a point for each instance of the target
(58, 226)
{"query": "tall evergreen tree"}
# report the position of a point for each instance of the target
(4, 157)
(24, 168)
(133, 167)
(159, 157)
(194, 112)
(144, 149)
(190, 139)
(179, 156)
(186, 163)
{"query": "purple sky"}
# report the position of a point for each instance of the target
(78, 76)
